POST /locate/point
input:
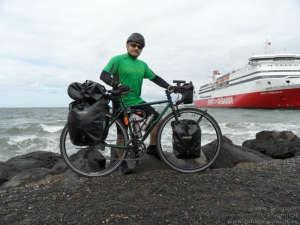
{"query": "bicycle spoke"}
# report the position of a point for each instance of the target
(98, 160)
(210, 134)
(199, 120)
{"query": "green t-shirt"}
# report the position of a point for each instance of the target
(131, 72)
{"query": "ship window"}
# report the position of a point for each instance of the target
(287, 81)
(269, 82)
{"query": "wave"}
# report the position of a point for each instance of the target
(241, 131)
(15, 146)
(23, 135)
(17, 138)
(28, 129)
(51, 128)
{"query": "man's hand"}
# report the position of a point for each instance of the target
(174, 89)
(123, 89)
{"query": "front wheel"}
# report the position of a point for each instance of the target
(96, 160)
(211, 139)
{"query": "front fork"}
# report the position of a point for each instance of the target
(173, 106)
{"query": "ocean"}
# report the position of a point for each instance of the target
(23, 130)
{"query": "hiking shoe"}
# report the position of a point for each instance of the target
(152, 150)
(131, 162)
(124, 168)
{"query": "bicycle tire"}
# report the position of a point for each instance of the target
(167, 159)
(104, 172)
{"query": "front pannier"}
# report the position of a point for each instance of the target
(86, 119)
(186, 139)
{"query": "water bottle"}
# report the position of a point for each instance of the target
(136, 127)
(147, 122)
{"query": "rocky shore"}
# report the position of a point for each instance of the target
(256, 183)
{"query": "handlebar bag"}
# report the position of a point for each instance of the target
(188, 93)
(186, 139)
(87, 122)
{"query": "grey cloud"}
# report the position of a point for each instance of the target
(73, 40)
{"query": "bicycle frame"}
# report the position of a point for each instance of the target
(126, 110)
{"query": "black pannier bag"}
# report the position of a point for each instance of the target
(186, 139)
(188, 93)
(86, 120)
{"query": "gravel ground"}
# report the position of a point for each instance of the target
(264, 193)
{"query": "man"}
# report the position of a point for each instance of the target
(127, 70)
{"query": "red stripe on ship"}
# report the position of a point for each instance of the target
(287, 98)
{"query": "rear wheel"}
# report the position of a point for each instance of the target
(96, 160)
(211, 137)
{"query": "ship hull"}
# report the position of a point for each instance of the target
(284, 99)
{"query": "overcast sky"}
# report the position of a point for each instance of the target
(45, 45)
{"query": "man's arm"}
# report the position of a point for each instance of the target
(160, 82)
(109, 73)
(155, 78)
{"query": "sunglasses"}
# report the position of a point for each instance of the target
(134, 45)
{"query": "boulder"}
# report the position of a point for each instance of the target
(59, 167)
(263, 156)
(6, 172)
(276, 144)
(38, 159)
(88, 160)
(27, 176)
(37, 165)
(275, 135)
(230, 154)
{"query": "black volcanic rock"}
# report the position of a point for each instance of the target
(278, 145)
(6, 171)
(36, 159)
(38, 165)
(26, 176)
(88, 160)
(230, 154)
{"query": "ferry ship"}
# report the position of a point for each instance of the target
(269, 81)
